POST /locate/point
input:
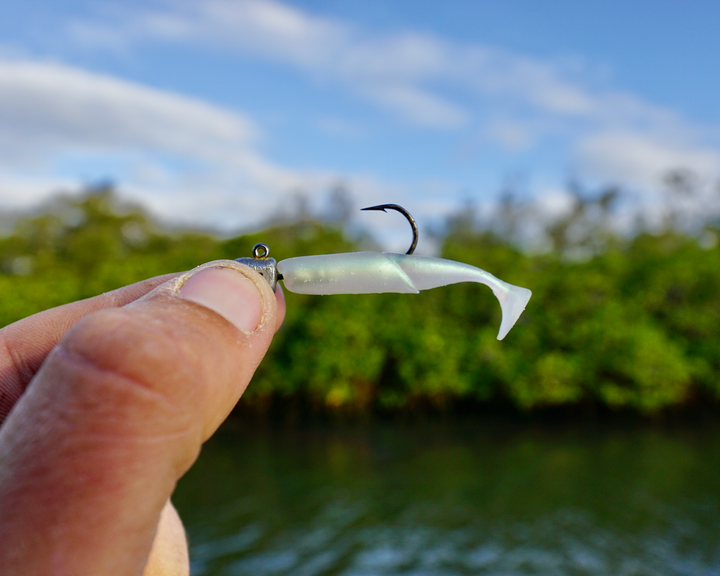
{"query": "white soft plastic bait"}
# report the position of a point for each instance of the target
(376, 272)
(379, 272)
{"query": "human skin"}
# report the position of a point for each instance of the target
(104, 405)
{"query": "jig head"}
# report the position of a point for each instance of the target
(378, 272)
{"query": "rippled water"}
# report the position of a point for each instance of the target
(454, 498)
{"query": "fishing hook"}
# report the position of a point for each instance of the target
(407, 215)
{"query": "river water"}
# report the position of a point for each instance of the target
(454, 498)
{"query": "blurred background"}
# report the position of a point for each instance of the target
(567, 148)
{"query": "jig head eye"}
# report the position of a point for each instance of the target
(263, 264)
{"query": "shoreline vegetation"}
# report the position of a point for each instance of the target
(618, 323)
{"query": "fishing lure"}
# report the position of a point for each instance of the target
(378, 272)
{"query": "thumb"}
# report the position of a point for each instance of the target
(118, 412)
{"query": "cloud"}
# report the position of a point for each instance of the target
(643, 160)
(341, 127)
(410, 73)
(510, 134)
(20, 192)
(261, 26)
(417, 106)
(50, 108)
(188, 159)
(423, 79)
(393, 71)
(181, 148)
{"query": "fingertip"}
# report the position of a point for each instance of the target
(232, 295)
(231, 289)
(169, 553)
(281, 307)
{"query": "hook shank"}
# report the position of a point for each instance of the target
(407, 215)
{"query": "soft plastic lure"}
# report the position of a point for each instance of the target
(378, 272)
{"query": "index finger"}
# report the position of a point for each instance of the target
(25, 343)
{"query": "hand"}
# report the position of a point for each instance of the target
(106, 403)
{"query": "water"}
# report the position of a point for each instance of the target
(454, 499)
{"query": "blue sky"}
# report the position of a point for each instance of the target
(219, 112)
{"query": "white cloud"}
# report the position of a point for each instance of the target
(642, 160)
(390, 71)
(510, 134)
(555, 203)
(21, 192)
(265, 26)
(408, 72)
(341, 127)
(50, 108)
(418, 106)
(187, 159)
(424, 79)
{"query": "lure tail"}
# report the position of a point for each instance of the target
(428, 273)
(512, 303)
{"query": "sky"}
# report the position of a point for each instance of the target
(223, 112)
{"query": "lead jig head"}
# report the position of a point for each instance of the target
(379, 272)
(267, 267)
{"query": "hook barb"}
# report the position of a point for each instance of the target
(407, 215)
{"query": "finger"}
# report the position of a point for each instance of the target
(25, 344)
(117, 414)
(169, 553)
(280, 297)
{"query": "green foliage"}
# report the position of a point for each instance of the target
(627, 323)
